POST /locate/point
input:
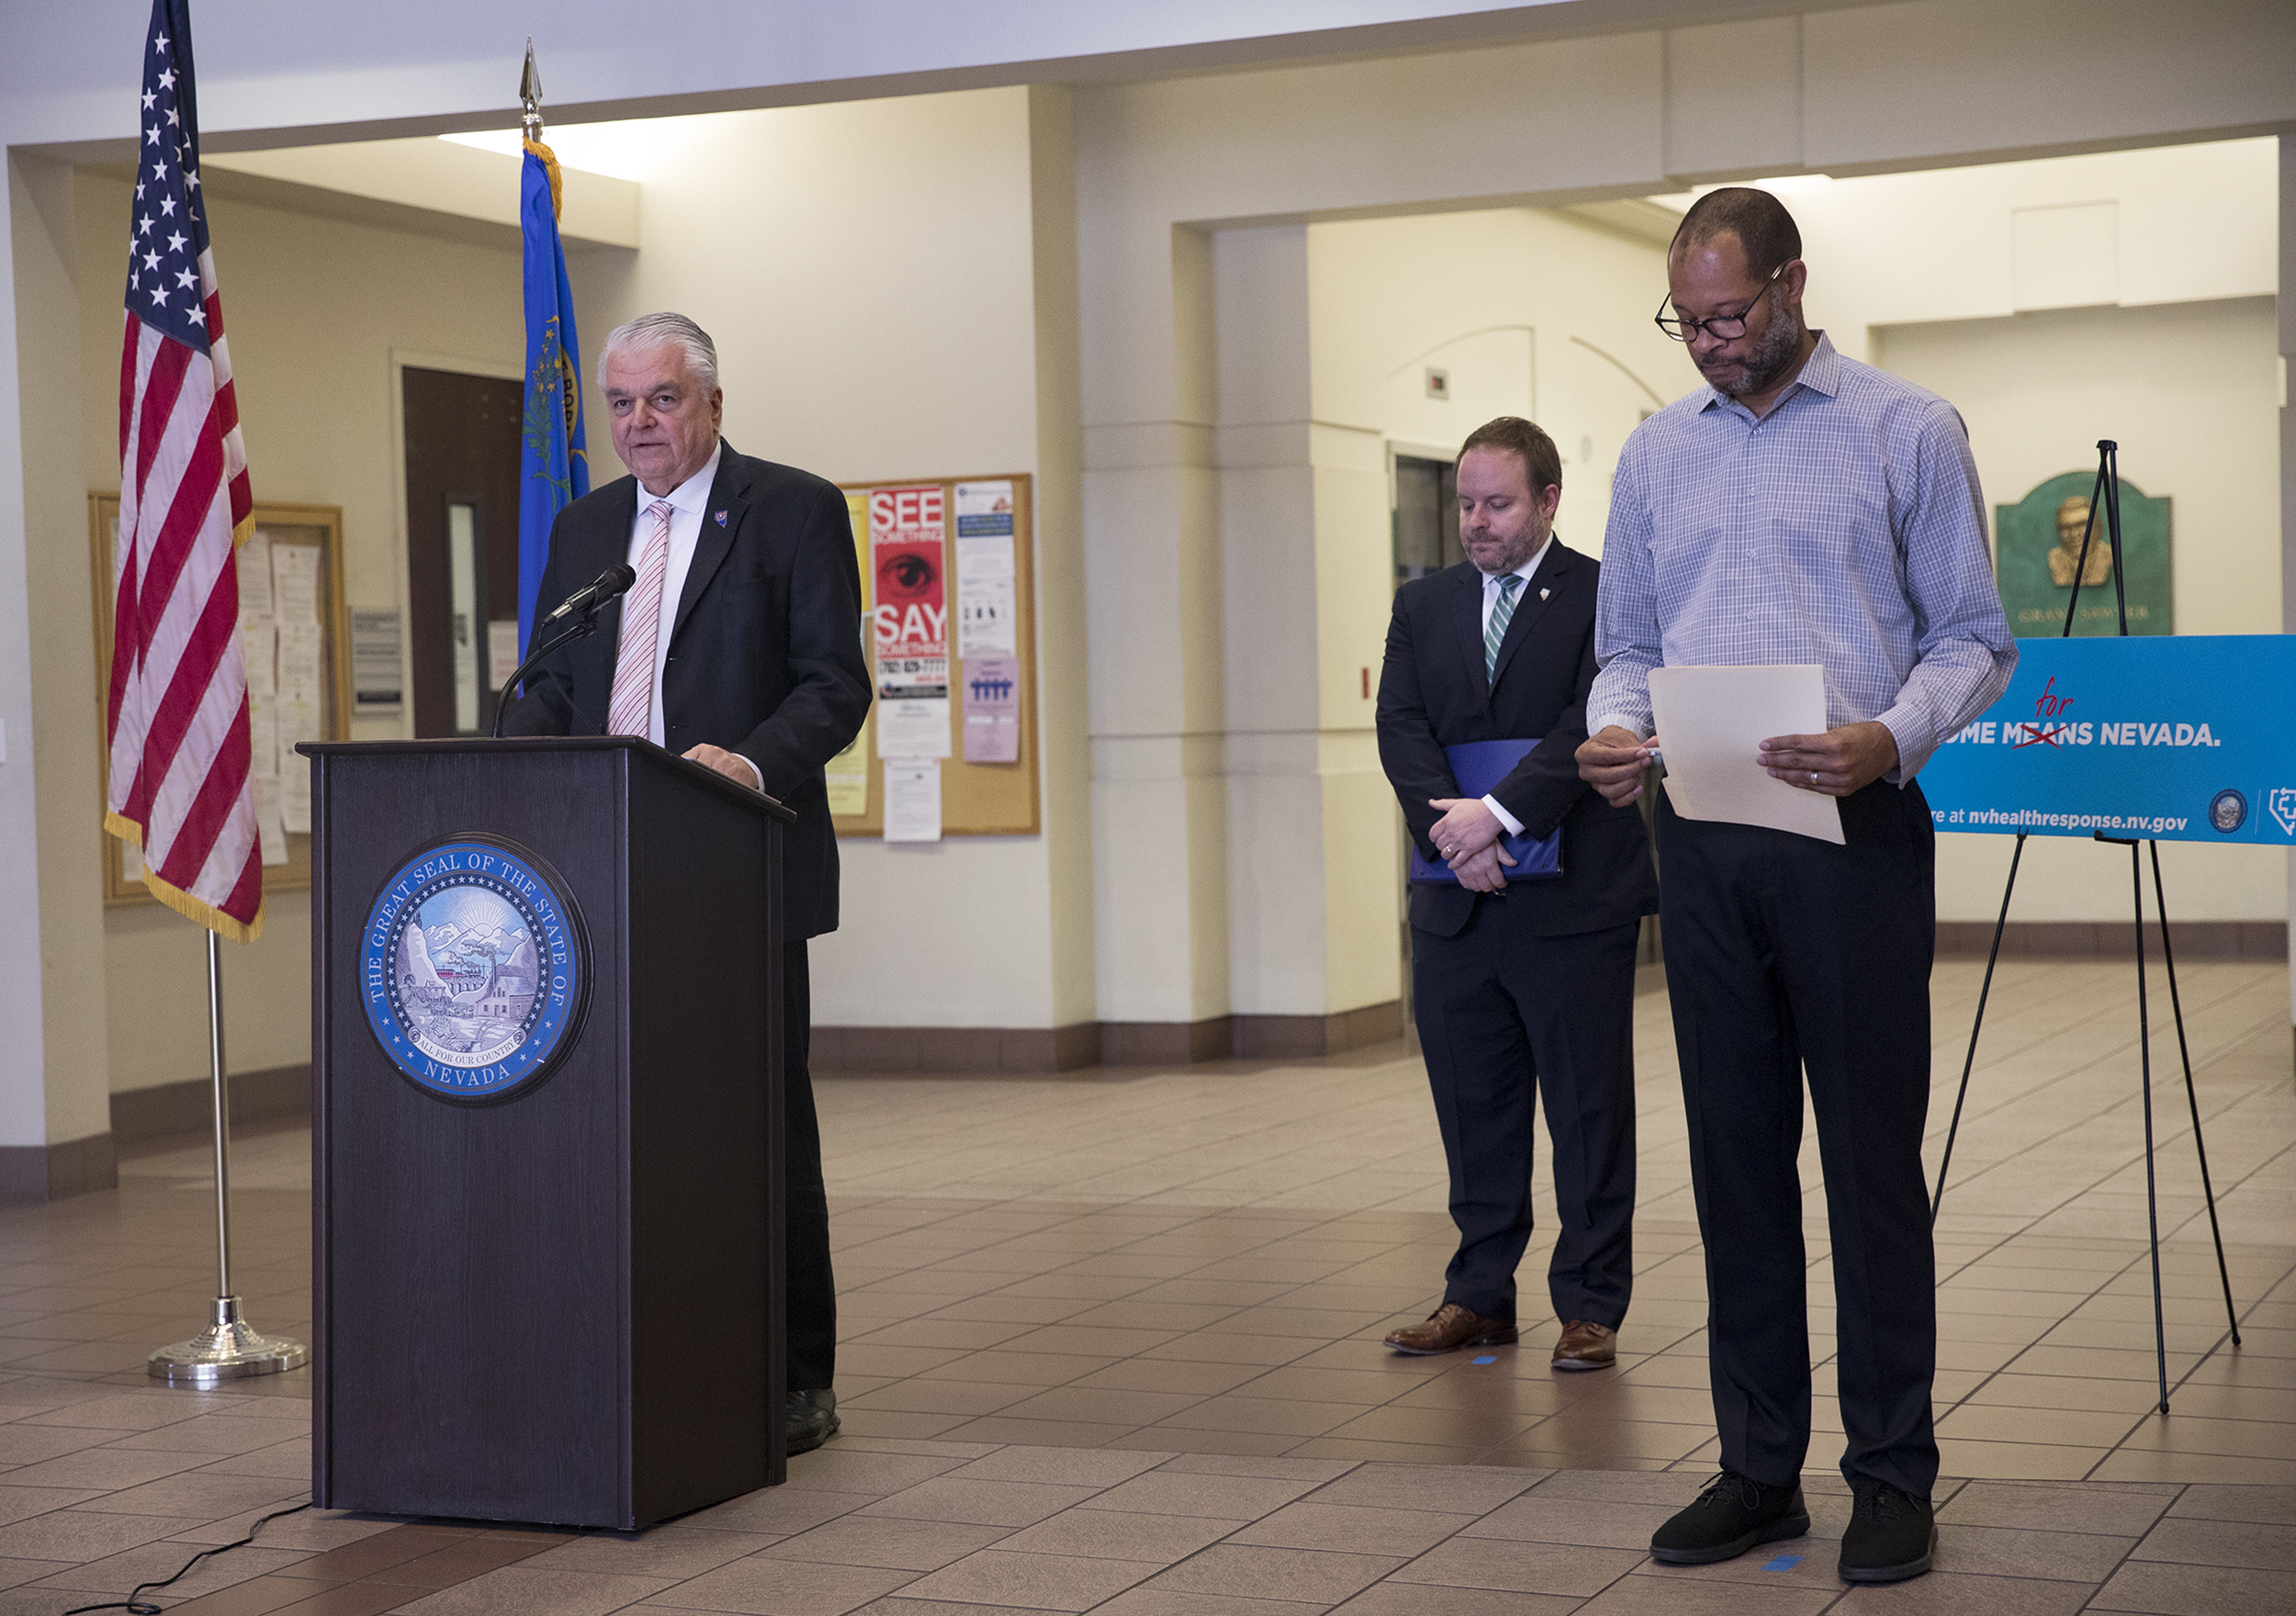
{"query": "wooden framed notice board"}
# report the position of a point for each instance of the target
(949, 615)
(293, 630)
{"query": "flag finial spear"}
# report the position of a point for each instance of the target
(530, 94)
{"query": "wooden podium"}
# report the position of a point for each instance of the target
(548, 1286)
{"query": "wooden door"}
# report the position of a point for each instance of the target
(462, 436)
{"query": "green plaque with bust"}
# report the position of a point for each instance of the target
(2038, 546)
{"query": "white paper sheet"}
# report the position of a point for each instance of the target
(270, 827)
(913, 801)
(295, 583)
(254, 578)
(263, 737)
(297, 721)
(259, 643)
(295, 797)
(1711, 724)
(300, 647)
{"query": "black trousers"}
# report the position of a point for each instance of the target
(1503, 1011)
(1788, 956)
(812, 1285)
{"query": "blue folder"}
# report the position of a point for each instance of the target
(1477, 766)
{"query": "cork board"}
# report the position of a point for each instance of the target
(976, 798)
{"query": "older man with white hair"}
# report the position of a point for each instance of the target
(739, 646)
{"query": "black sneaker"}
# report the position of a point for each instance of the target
(1891, 1535)
(1730, 1516)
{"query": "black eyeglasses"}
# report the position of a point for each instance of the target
(1722, 328)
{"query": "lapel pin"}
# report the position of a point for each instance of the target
(1542, 594)
(721, 519)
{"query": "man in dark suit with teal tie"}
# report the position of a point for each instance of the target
(1529, 982)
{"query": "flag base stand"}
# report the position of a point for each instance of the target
(226, 1350)
(229, 1348)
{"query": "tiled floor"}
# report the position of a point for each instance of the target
(1111, 1344)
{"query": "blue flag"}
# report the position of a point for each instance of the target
(553, 464)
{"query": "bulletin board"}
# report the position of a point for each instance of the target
(316, 665)
(977, 799)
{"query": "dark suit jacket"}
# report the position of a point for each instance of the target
(1434, 693)
(765, 653)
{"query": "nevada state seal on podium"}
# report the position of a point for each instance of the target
(476, 970)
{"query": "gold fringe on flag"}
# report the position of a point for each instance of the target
(180, 901)
(550, 167)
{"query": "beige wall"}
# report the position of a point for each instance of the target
(870, 273)
(1532, 311)
(58, 1072)
(315, 306)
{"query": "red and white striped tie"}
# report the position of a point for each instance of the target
(631, 711)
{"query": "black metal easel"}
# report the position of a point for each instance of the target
(2108, 492)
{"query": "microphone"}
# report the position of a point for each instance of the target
(610, 583)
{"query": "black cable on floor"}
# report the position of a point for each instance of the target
(135, 1608)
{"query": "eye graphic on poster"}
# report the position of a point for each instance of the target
(906, 574)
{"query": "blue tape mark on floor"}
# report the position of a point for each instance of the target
(1486, 1359)
(1784, 1562)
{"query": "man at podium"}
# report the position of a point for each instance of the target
(739, 646)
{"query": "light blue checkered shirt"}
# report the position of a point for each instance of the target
(1845, 527)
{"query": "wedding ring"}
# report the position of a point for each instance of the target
(1813, 777)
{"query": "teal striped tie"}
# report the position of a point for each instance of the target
(1495, 631)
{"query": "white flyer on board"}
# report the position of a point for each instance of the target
(985, 590)
(254, 578)
(295, 796)
(259, 643)
(913, 801)
(270, 826)
(295, 583)
(299, 648)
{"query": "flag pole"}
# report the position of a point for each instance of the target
(229, 1347)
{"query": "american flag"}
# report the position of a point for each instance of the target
(178, 718)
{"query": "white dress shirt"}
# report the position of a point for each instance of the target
(1490, 604)
(688, 501)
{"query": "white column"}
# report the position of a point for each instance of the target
(1152, 594)
(1063, 729)
(54, 1079)
(1305, 560)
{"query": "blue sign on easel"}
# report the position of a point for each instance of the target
(2186, 739)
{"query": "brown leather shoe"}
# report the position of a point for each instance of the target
(1449, 1327)
(1586, 1346)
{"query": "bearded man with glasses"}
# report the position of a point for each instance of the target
(1801, 508)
